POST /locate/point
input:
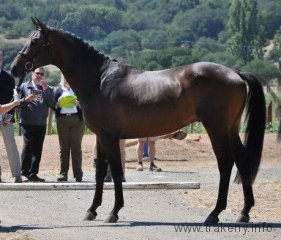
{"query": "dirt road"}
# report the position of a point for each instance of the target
(173, 214)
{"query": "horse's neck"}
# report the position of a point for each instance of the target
(82, 73)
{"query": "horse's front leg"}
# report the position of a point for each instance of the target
(101, 170)
(114, 160)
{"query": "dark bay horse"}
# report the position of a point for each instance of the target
(120, 101)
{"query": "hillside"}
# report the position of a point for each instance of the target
(175, 32)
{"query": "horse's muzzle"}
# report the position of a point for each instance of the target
(15, 71)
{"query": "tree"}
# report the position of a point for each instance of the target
(273, 10)
(10, 51)
(92, 21)
(244, 29)
(264, 70)
(275, 55)
(155, 39)
(277, 39)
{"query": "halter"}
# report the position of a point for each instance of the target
(30, 63)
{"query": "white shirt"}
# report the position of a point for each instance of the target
(68, 92)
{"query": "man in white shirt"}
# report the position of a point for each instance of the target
(7, 85)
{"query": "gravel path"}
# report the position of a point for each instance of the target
(157, 214)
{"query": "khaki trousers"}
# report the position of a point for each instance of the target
(70, 132)
(11, 149)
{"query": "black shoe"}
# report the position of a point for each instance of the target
(62, 178)
(35, 178)
(18, 179)
(25, 174)
(78, 179)
(153, 167)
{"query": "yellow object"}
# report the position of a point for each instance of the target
(66, 101)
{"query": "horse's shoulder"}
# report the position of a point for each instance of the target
(112, 77)
(153, 86)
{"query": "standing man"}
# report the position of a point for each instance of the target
(7, 84)
(151, 146)
(33, 118)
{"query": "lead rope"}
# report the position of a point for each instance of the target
(20, 82)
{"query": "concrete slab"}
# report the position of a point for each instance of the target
(90, 186)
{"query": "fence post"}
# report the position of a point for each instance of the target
(50, 121)
(269, 113)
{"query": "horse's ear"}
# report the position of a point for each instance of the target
(39, 25)
(35, 22)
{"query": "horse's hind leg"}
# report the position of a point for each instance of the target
(101, 170)
(241, 159)
(222, 148)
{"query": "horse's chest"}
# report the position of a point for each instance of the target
(98, 115)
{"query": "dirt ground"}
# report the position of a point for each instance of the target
(186, 155)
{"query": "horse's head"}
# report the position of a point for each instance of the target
(35, 53)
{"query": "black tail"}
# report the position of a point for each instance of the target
(256, 115)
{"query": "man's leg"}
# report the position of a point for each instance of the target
(37, 150)
(76, 136)
(140, 155)
(26, 155)
(63, 127)
(145, 150)
(12, 150)
(152, 150)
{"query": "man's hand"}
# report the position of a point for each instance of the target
(16, 95)
(43, 84)
(30, 98)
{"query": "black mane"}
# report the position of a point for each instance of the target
(82, 44)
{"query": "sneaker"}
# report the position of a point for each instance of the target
(35, 178)
(62, 178)
(18, 179)
(153, 167)
(139, 167)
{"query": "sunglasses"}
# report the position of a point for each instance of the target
(39, 73)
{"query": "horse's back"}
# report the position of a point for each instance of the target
(218, 92)
(155, 99)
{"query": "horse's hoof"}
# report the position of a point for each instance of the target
(111, 219)
(90, 216)
(211, 220)
(244, 218)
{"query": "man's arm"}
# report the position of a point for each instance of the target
(9, 106)
(49, 96)
(25, 99)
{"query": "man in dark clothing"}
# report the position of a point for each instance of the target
(7, 84)
(33, 117)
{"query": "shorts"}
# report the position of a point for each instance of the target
(151, 139)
